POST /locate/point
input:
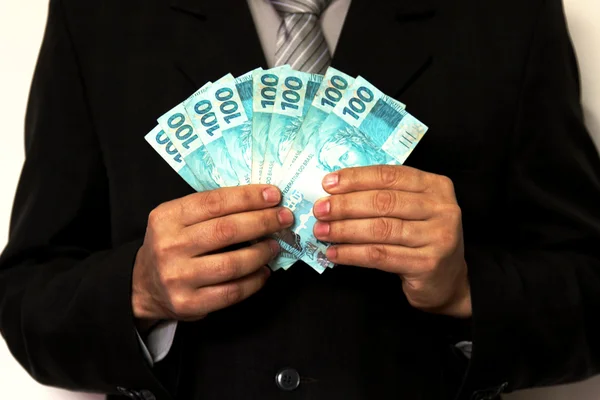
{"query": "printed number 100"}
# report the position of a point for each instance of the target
(357, 104)
(291, 95)
(333, 94)
(269, 91)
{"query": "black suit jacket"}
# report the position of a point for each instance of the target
(497, 83)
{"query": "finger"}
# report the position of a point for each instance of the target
(230, 266)
(218, 233)
(374, 231)
(395, 177)
(389, 258)
(375, 203)
(212, 298)
(199, 207)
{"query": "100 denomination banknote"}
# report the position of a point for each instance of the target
(160, 142)
(202, 109)
(331, 90)
(235, 127)
(264, 90)
(286, 128)
(235, 118)
(365, 128)
(180, 130)
(294, 95)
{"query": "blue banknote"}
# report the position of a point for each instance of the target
(330, 92)
(264, 91)
(234, 122)
(160, 142)
(179, 128)
(365, 128)
(294, 95)
(203, 108)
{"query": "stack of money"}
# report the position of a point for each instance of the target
(286, 128)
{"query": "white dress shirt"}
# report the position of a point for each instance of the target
(267, 22)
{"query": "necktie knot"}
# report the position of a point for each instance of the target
(300, 40)
(315, 7)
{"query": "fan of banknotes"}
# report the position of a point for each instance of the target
(286, 128)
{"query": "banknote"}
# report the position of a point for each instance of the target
(365, 128)
(264, 91)
(160, 142)
(180, 130)
(203, 108)
(333, 86)
(234, 123)
(294, 95)
(286, 128)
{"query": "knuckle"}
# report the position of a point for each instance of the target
(213, 203)
(338, 230)
(381, 229)
(232, 294)
(225, 231)
(455, 212)
(339, 205)
(268, 222)
(451, 213)
(156, 216)
(387, 175)
(161, 248)
(165, 246)
(180, 304)
(445, 183)
(226, 269)
(377, 254)
(384, 202)
(246, 195)
(168, 278)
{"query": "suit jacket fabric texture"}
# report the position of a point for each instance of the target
(497, 83)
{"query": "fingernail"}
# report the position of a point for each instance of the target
(274, 246)
(285, 217)
(267, 271)
(331, 253)
(322, 229)
(271, 195)
(322, 208)
(331, 180)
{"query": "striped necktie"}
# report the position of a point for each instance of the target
(300, 40)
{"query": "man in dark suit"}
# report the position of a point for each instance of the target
(515, 270)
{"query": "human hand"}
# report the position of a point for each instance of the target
(180, 272)
(400, 220)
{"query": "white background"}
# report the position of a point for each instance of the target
(21, 29)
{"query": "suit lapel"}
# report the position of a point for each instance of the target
(212, 38)
(390, 43)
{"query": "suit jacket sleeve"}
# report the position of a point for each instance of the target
(65, 308)
(536, 295)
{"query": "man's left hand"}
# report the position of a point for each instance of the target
(400, 220)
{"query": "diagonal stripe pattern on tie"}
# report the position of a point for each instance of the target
(300, 40)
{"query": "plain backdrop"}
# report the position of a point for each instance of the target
(21, 28)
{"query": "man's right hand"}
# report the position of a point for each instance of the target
(180, 271)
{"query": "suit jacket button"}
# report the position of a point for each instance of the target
(287, 379)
